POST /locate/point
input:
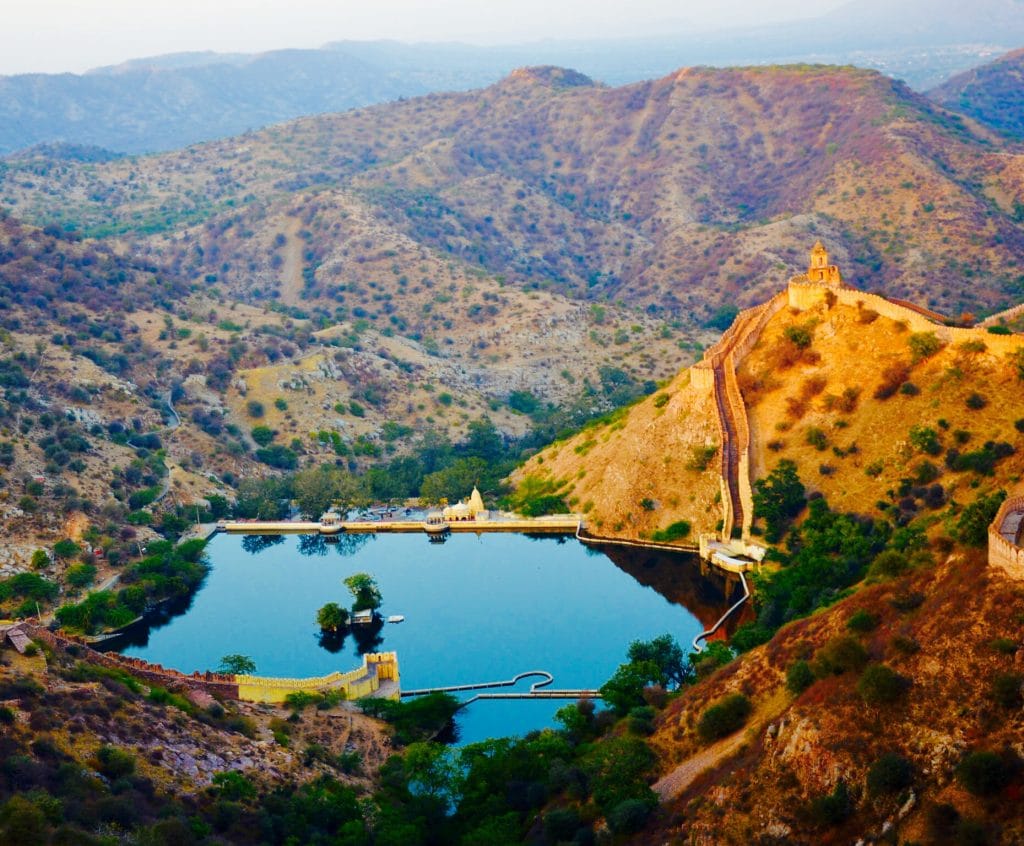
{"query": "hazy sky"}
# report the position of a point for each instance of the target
(74, 35)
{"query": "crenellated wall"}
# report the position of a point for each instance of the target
(363, 681)
(1003, 551)
(356, 684)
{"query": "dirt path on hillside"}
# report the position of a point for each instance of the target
(672, 784)
(291, 270)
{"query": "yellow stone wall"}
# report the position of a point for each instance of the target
(356, 683)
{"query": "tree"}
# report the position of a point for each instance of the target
(40, 559)
(332, 617)
(881, 685)
(625, 689)
(237, 665)
(778, 498)
(316, 489)
(983, 773)
(666, 654)
(364, 590)
(972, 527)
(890, 773)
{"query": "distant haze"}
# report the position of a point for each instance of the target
(53, 36)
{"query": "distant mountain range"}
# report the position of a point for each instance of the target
(167, 102)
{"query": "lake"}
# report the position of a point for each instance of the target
(477, 608)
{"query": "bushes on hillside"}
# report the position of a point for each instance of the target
(890, 773)
(726, 716)
(984, 773)
(778, 498)
(881, 685)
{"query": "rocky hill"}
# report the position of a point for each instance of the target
(674, 196)
(879, 409)
(992, 94)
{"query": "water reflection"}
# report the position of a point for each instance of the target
(477, 608)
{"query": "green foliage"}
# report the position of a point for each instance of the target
(618, 768)
(984, 773)
(331, 617)
(538, 495)
(778, 498)
(862, 621)
(700, 457)
(726, 716)
(890, 773)
(255, 408)
(277, 456)
(923, 345)
(925, 439)
(413, 719)
(665, 653)
(523, 401)
(972, 525)
(975, 401)
(749, 635)
(881, 685)
(167, 571)
(263, 435)
(66, 548)
(799, 336)
(832, 809)
(799, 677)
(839, 655)
(723, 317)
(1008, 690)
(831, 552)
(40, 560)
(816, 438)
(1017, 360)
(630, 815)
(317, 489)
(237, 665)
(673, 532)
(81, 575)
(364, 590)
(30, 586)
(114, 762)
(624, 690)
(234, 786)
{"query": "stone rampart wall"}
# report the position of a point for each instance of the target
(213, 683)
(1009, 314)
(363, 681)
(1001, 552)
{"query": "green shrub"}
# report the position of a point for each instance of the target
(673, 532)
(831, 810)
(799, 677)
(925, 439)
(983, 773)
(890, 563)
(976, 401)
(799, 336)
(840, 655)
(723, 718)
(629, 816)
(263, 435)
(923, 345)
(1007, 690)
(816, 438)
(862, 621)
(881, 685)
(561, 824)
(999, 330)
(255, 408)
(700, 457)
(890, 773)
(114, 763)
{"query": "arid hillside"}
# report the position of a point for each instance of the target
(880, 417)
(674, 196)
(992, 94)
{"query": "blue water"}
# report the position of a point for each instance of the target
(477, 609)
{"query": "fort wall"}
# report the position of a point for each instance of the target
(1002, 551)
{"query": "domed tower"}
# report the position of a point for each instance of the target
(820, 270)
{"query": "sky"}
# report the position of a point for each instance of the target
(54, 36)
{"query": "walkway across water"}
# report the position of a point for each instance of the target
(534, 692)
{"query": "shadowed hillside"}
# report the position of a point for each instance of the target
(992, 94)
